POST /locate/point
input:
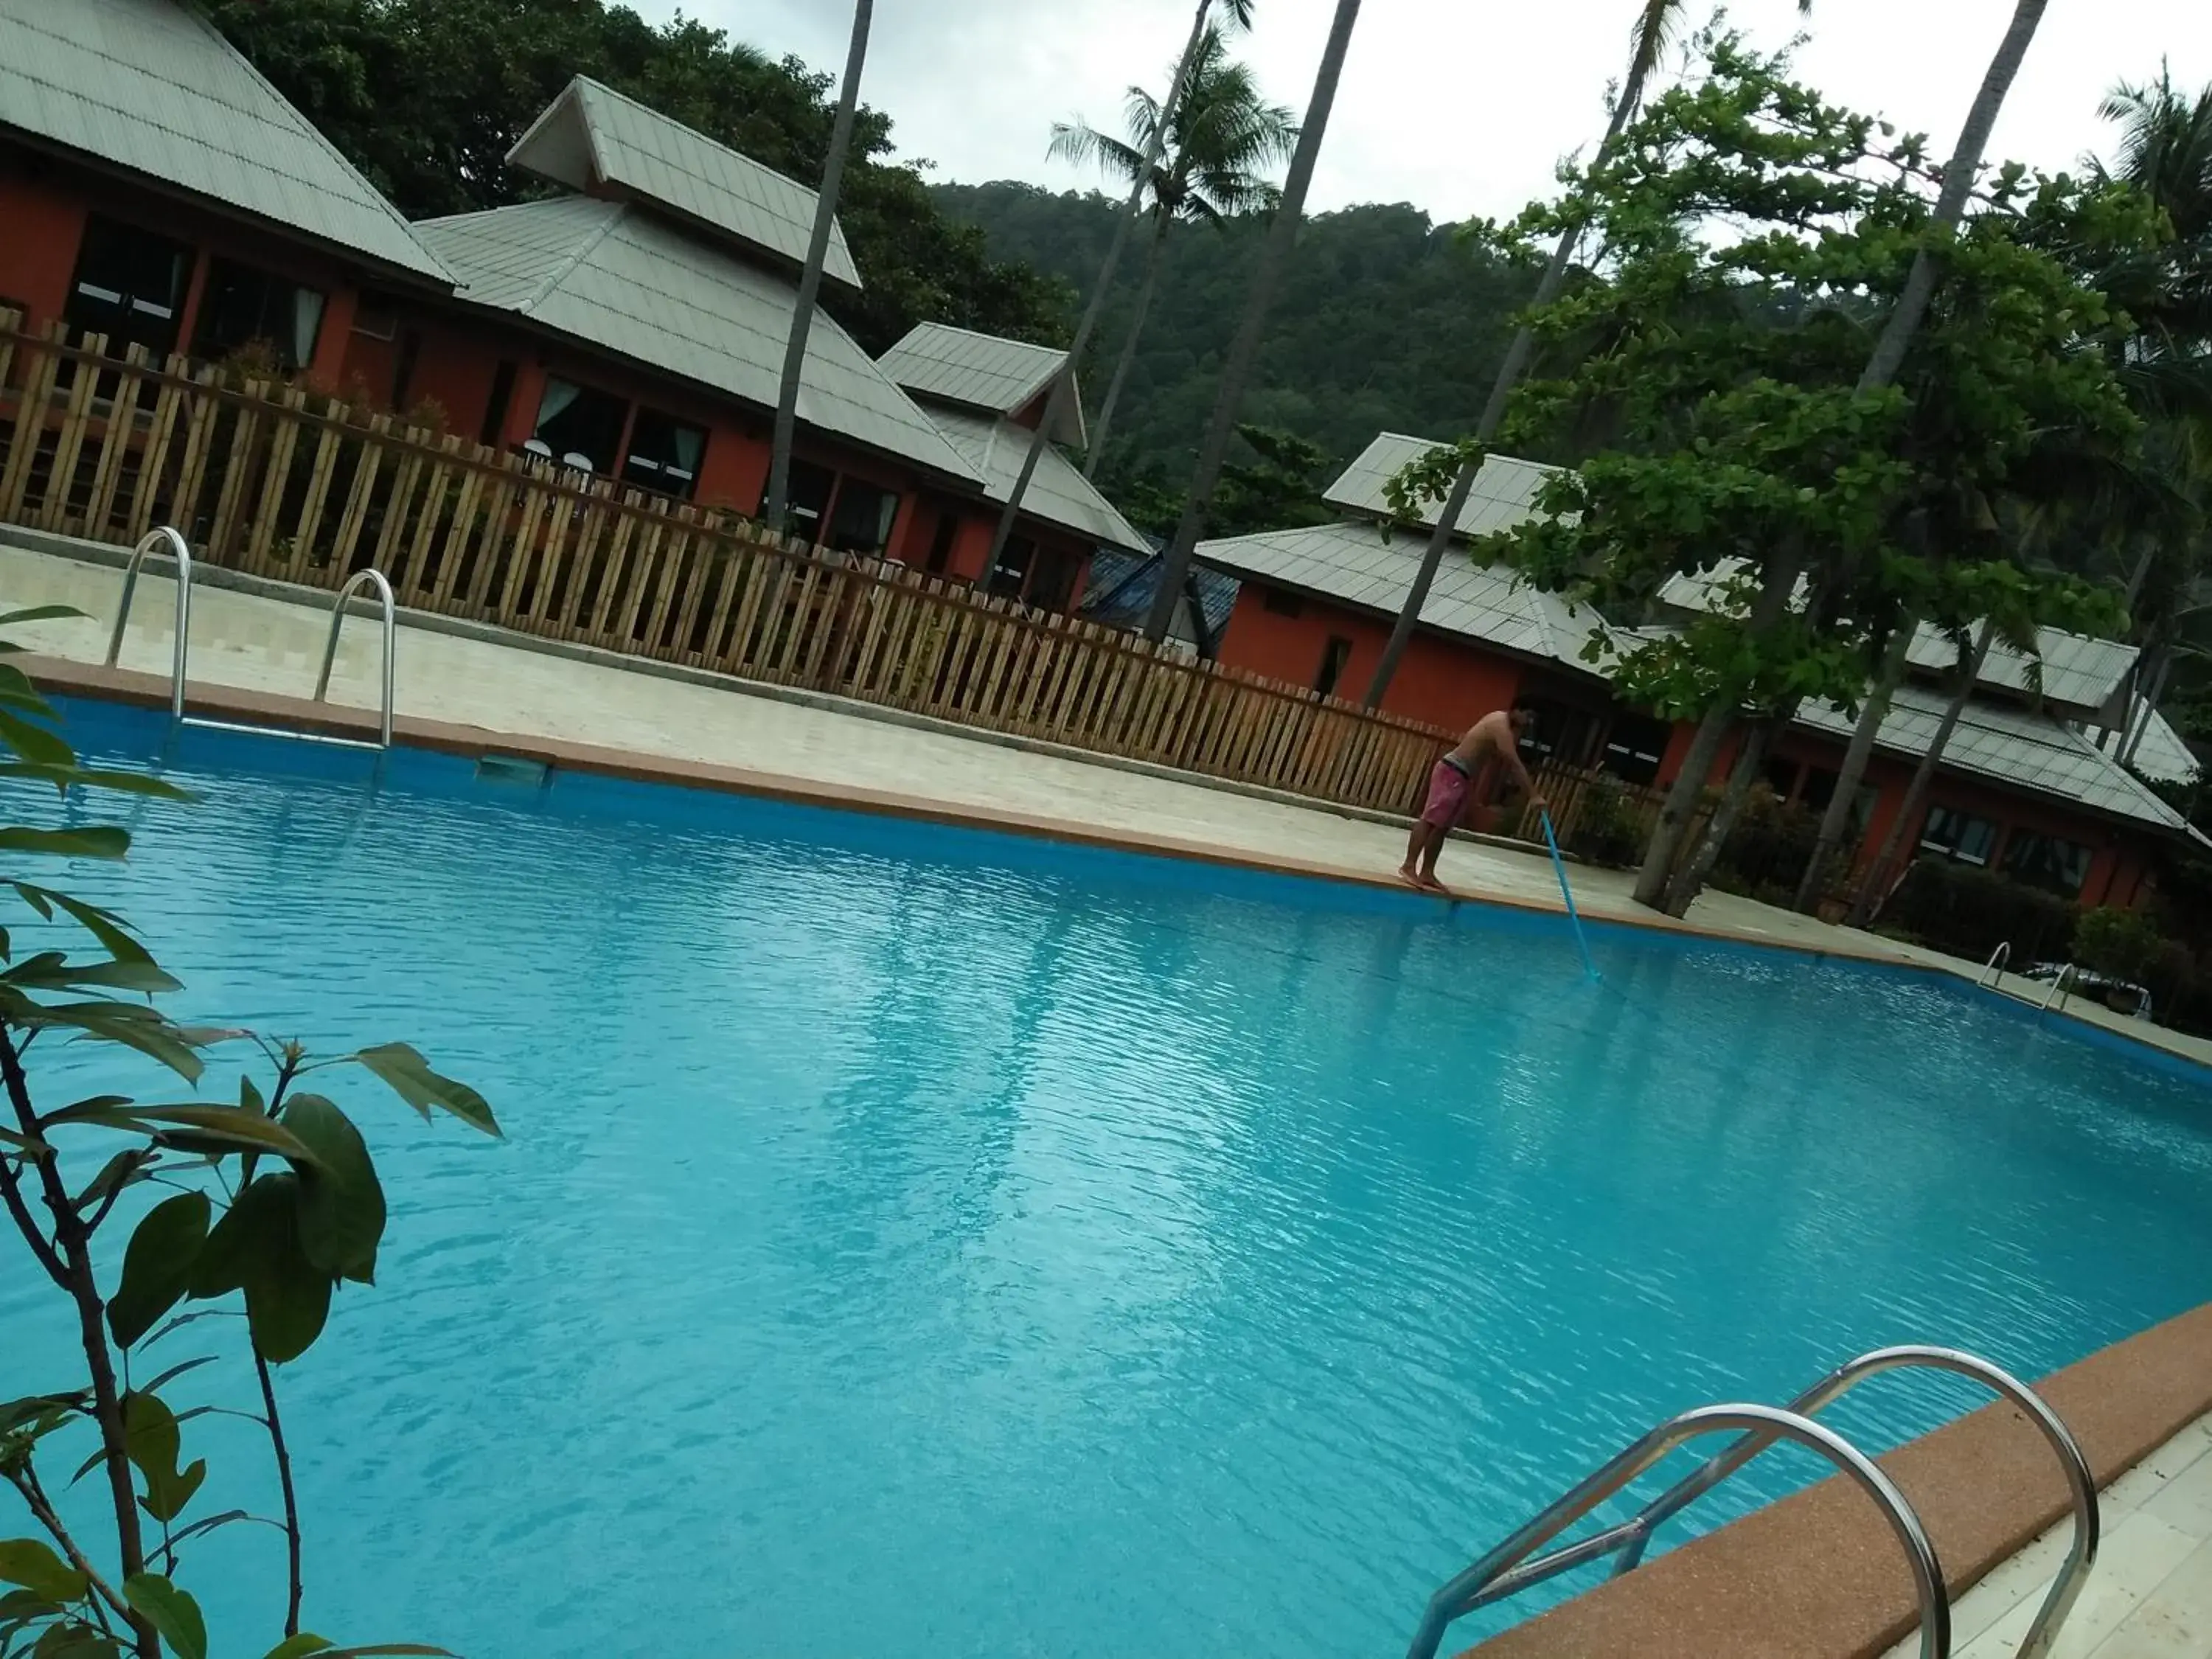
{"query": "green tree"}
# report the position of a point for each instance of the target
(274, 1203)
(810, 278)
(426, 97)
(1209, 158)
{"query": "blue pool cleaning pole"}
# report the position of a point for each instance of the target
(1559, 866)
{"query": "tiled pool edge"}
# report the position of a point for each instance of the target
(151, 690)
(1819, 1575)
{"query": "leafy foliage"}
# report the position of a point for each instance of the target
(274, 1201)
(2117, 943)
(426, 97)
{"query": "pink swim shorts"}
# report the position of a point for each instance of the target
(1448, 793)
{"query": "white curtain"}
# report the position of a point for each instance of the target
(306, 323)
(559, 394)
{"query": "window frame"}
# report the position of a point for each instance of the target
(128, 304)
(226, 275)
(1967, 822)
(635, 462)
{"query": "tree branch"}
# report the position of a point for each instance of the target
(11, 1193)
(284, 1481)
(25, 1482)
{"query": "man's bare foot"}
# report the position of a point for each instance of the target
(1410, 876)
(1428, 883)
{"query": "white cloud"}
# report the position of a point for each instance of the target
(1462, 106)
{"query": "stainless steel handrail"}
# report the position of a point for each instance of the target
(163, 542)
(1993, 970)
(2058, 992)
(372, 578)
(2081, 1485)
(1494, 1576)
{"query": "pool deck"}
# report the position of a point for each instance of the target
(256, 647)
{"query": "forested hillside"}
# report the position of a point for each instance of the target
(1386, 319)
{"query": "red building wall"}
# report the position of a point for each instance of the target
(1439, 683)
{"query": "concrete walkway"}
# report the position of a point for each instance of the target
(256, 636)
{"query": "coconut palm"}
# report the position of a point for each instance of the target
(1208, 169)
(1238, 12)
(1655, 26)
(810, 281)
(1244, 349)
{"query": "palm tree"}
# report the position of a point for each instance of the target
(1648, 38)
(1244, 349)
(1207, 170)
(810, 281)
(1882, 370)
(1240, 14)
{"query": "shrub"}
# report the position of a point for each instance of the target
(1772, 844)
(1609, 830)
(2119, 944)
(1969, 912)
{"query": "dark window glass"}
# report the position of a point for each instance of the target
(1052, 583)
(2051, 862)
(243, 307)
(502, 394)
(663, 454)
(1012, 575)
(861, 521)
(376, 316)
(1334, 656)
(1282, 604)
(940, 545)
(1959, 835)
(578, 426)
(1819, 788)
(808, 499)
(403, 371)
(1634, 747)
(129, 286)
(1781, 776)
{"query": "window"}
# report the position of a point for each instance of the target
(377, 317)
(1012, 575)
(664, 454)
(861, 521)
(577, 426)
(1781, 776)
(2051, 862)
(1634, 747)
(502, 394)
(403, 369)
(1052, 583)
(244, 306)
(129, 286)
(1282, 604)
(1959, 835)
(1819, 788)
(1334, 656)
(940, 545)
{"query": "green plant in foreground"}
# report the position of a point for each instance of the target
(2118, 944)
(273, 1203)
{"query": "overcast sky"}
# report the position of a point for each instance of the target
(1460, 106)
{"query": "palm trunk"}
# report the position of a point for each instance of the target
(1244, 351)
(1518, 356)
(809, 280)
(1837, 819)
(1951, 203)
(2153, 689)
(1056, 401)
(1690, 880)
(1876, 885)
(1105, 426)
(1682, 805)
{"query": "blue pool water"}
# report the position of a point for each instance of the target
(907, 1240)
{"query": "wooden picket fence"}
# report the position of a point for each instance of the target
(279, 481)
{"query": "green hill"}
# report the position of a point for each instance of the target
(1385, 319)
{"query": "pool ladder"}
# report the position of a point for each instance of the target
(1510, 1569)
(166, 543)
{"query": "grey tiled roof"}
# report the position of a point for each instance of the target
(982, 372)
(146, 85)
(621, 278)
(1058, 492)
(2012, 744)
(2161, 755)
(1352, 562)
(595, 139)
(1503, 495)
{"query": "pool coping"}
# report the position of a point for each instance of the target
(1814, 1575)
(249, 707)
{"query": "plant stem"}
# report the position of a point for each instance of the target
(11, 1193)
(73, 1247)
(284, 1479)
(25, 1482)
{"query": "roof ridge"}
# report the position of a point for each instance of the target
(567, 267)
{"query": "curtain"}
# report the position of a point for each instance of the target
(306, 323)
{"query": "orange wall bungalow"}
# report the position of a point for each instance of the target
(633, 327)
(2028, 785)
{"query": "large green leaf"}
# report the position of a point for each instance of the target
(49, 970)
(340, 1201)
(170, 1611)
(240, 1130)
(91, 777)
(33, 1564)
(38, 613)
(33, 742)
(75, 1640)
(157, 1264)
(300, 1646)
(132, 1025)
(152, 1442)
(256, 1247)
(109, 928)
(409, 1075)
(92, 841)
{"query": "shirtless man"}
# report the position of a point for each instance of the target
(1467, 777)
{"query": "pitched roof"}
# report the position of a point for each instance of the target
(146, 86)
(1352, 562)
(594, 139)
(1504, 491)
(618, 277)
(1123, 585)
(2080, 673)
(2012, 744)
(1058, 494)
(982, 372)
(2162, 756)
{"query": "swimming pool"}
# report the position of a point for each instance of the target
(910, 1238)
